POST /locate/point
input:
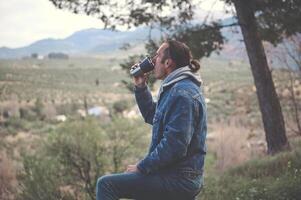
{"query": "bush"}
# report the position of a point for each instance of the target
(39, 112)
(67, 109)
(127, 142)
(28, 114)
(14, 124)
(38, 108)
(120, 106)
(81, 151)
(41, 179)
(277, 178)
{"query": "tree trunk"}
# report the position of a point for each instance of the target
(268, 100)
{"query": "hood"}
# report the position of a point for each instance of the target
(177, 75)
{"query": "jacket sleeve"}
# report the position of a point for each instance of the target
(146, 104)
(177, 133)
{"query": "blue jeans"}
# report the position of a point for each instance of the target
(157, 186)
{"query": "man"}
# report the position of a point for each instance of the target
(173, 168)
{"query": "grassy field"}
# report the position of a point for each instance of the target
(66, 81)
(60, 80)
(227, 85)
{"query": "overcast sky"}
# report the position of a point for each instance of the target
(23, 22)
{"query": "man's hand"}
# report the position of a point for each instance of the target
(132, 168)
(139, 81)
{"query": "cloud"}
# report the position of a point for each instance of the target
(25, 21)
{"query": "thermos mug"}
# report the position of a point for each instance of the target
(146, 65)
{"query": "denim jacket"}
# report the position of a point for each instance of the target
(179, 123)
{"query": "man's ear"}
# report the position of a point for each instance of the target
(168, 62)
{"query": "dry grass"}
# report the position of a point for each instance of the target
(10, 107)
(7, 177)
(234, 143)
(49, 111)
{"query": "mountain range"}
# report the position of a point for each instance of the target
(88, 41)
(97, 41)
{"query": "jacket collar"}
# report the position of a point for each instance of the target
(177, 75)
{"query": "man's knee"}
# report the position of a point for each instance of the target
(105, 188)
(103, 182)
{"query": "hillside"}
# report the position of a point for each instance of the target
(276, 178)
(84, 42)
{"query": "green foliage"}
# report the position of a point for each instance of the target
(120, 106)
(28, 114)
(202, 40)
(277, 178)
(15, 124)
(76, 154)
(38, 108)
(41, 179)
(277, 19)
(127, 142)
(81, 150)
(152, 46)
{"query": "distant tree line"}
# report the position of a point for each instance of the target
(58, 56)
(52, 55)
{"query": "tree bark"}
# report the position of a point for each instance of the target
(268, 100)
